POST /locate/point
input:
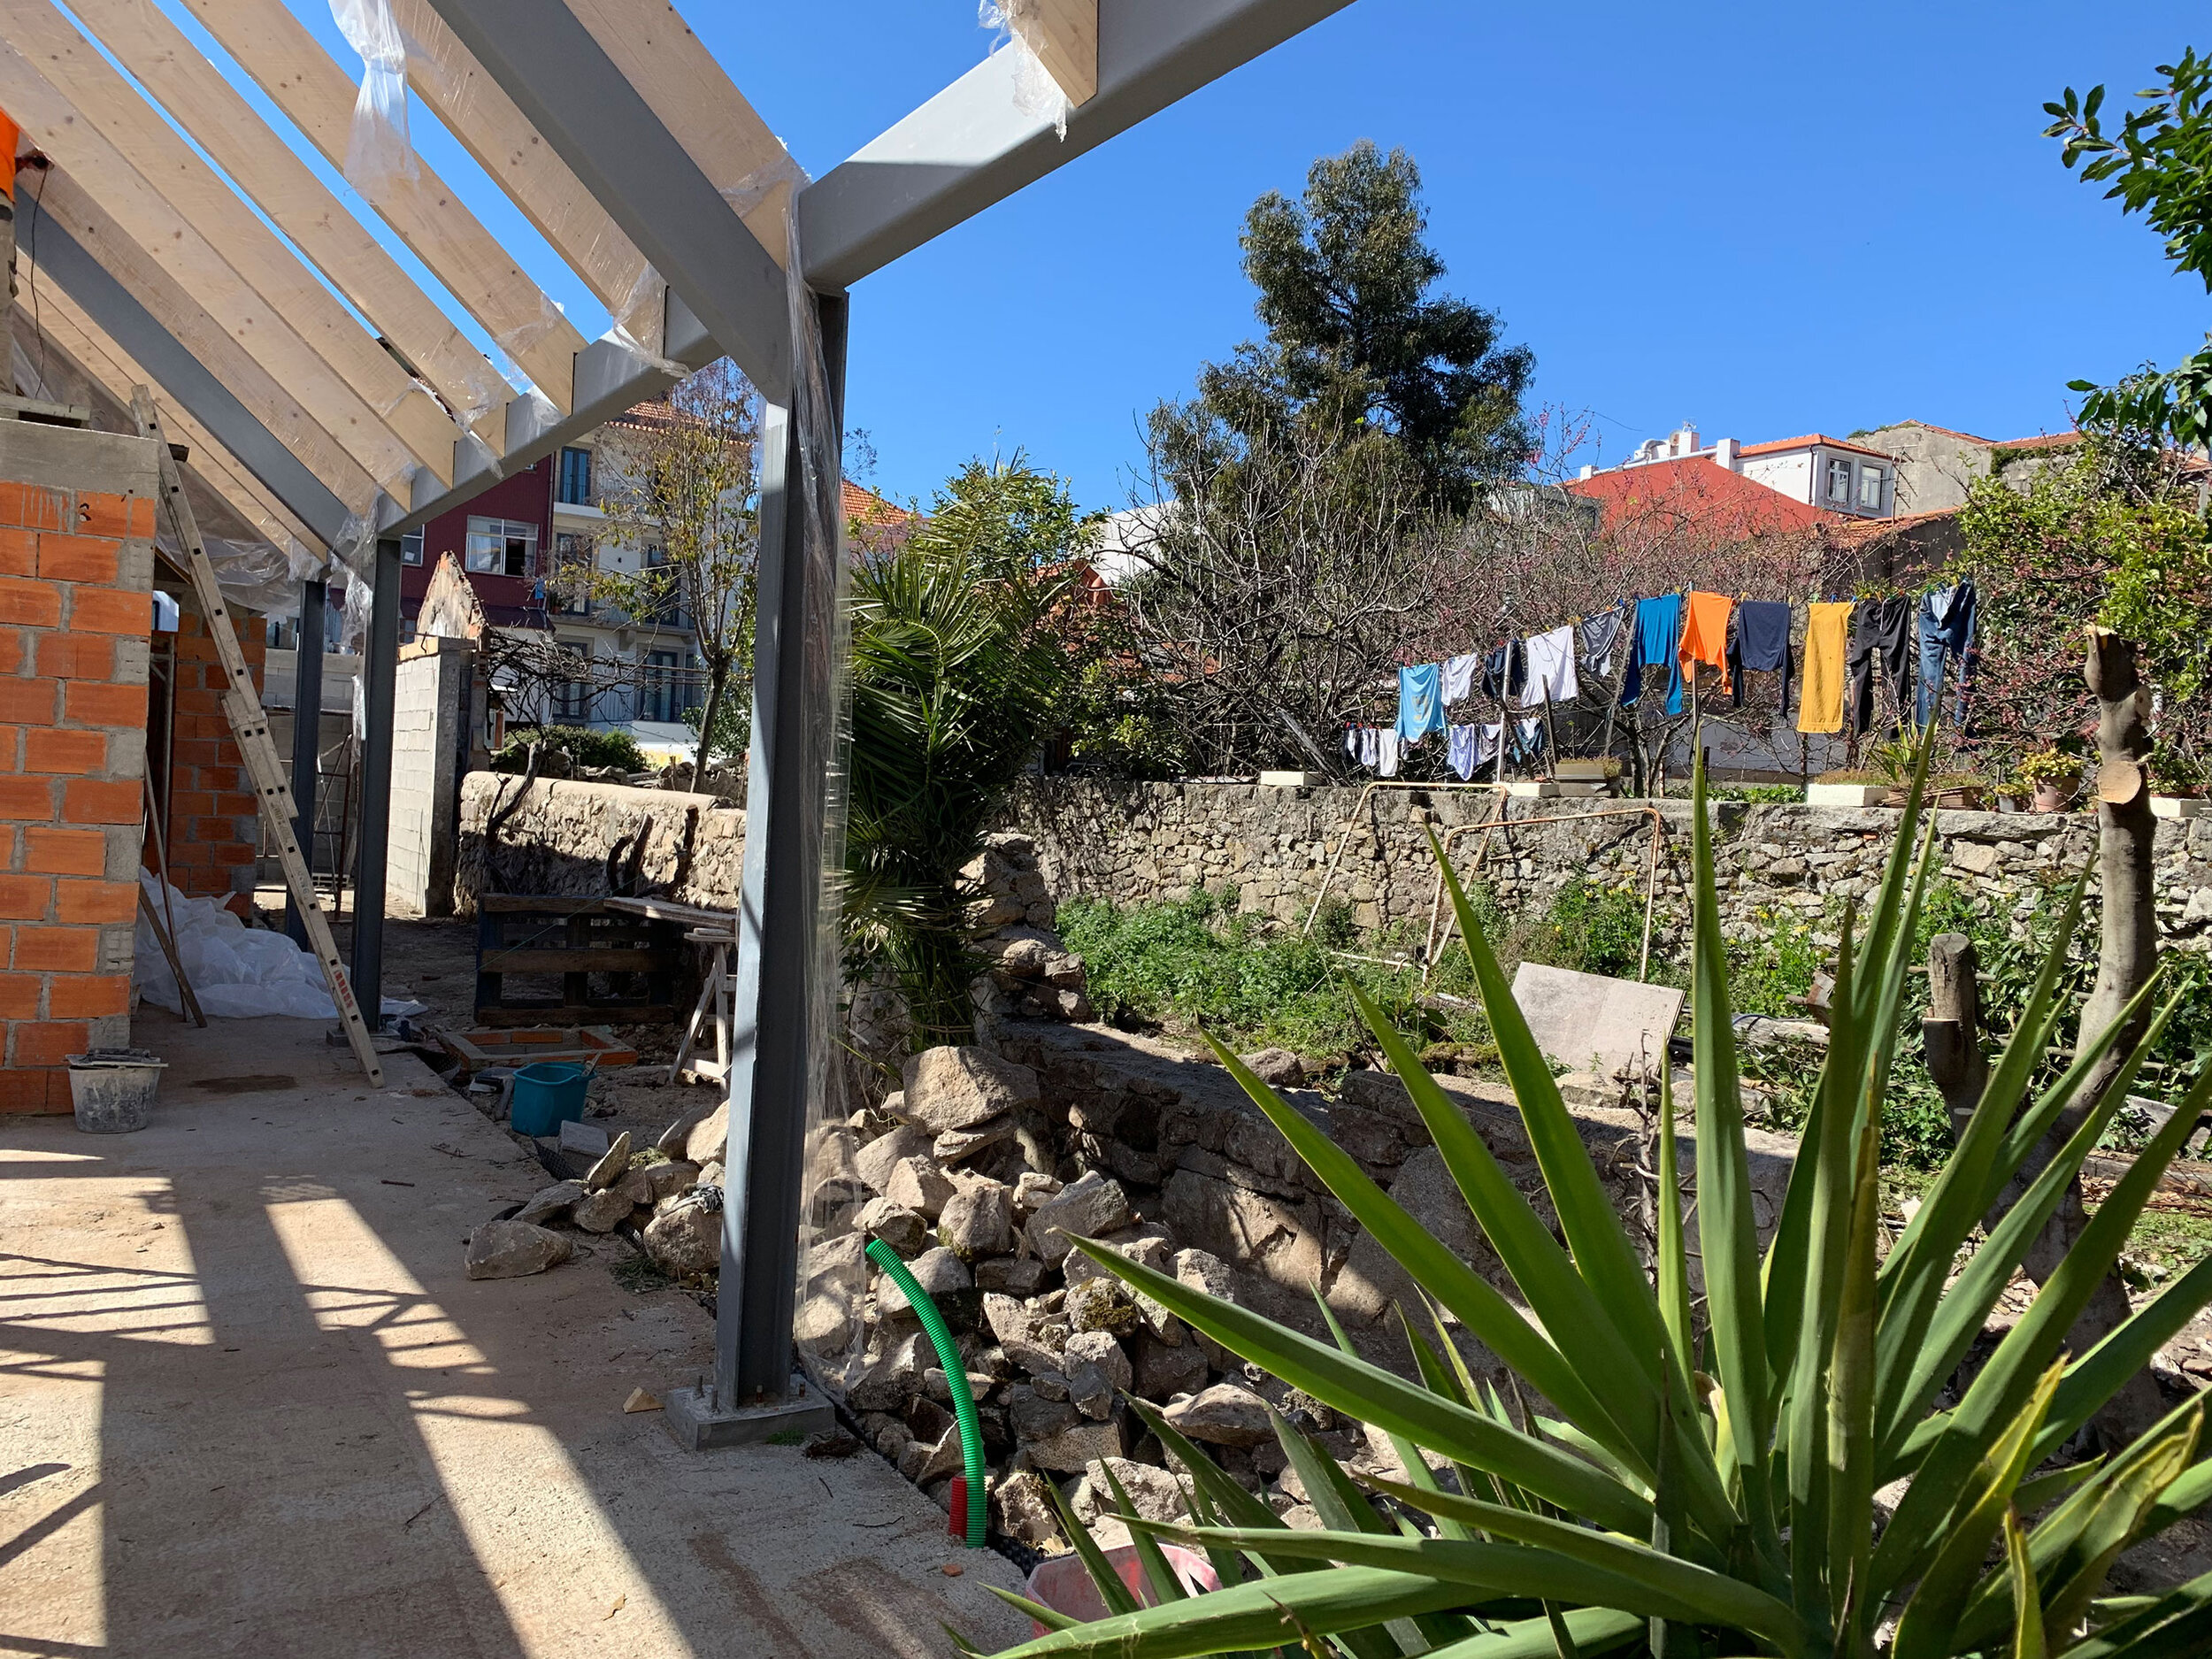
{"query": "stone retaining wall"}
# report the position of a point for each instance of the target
(597, 837)
(1370, 847)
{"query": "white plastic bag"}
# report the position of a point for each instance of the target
(237, 971)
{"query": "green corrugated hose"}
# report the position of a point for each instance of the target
(955, 1379)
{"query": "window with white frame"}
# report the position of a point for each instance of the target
(501, 547)
(1839, 480)
(573, 698)
(411, 546)
(1870, 479)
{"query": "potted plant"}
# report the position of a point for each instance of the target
(1893, 763)
(1958, 792)
(2178, 784)
(2052, 777)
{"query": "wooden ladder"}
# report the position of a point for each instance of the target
(250, 724)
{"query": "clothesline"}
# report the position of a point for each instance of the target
(1848, 645)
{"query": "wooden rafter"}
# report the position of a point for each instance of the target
(91, 353)
(155, 52)
(1064, 34)
(303, 332)
(303, 81)
(685, 86)
(301, 427)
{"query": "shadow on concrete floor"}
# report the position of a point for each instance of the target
(251, 1405)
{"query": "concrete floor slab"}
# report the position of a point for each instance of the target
(251, 1405)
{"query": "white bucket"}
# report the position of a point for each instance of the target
(113, 1089)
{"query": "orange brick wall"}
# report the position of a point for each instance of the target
(75, 570)
(212, 820)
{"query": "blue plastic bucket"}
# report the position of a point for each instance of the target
(547, 1096)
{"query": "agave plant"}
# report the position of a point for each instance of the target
(1702, 1479)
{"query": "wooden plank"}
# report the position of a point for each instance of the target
(558, 1014)
(156, 186)
(155, 51)
(303, 79)
(300, 412)
(478, 112)
(685, 86)
(1064, 34)
(93, 353)
(548, 904)
(243, 707)
(674, 910)
(565, 958)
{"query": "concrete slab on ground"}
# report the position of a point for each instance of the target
(1587, 1019)
(252, 1406)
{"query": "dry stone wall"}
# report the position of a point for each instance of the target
(595, 838)
(1369, 849)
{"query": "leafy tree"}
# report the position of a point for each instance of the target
(959, 670)
(2160, 166)
(685, 495)
(1355, 338)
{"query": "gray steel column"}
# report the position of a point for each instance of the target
(380, 670)
(786, 794)
(307, 723)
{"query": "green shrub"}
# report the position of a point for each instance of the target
(586, 745)
(1698, 1476)
(1590, 929)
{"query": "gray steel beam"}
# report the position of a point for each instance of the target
(134, 328)
(307, 724)
(969, 146)
(794, 735)
(593, 120)
(380, 673)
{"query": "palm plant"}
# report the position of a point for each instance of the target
(1701, 1480)
(957, 673)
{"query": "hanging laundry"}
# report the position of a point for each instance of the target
(1946, 631)
(1598, 637)
(1827, 628)
(1705, 635)
(1530, 734)
(1504, 671)
(1420, 704)
(1658, 628)
(1387, 749)
(1369, 747)
(1464, 747)
(1459, 677)
(1881, 642)
(1762, 643)
(1551, 668)
(1351, 743)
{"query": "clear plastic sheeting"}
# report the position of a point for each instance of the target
(833, 1271)
(255, 575)
(237, 971)
(378, 151)
(1036, 94)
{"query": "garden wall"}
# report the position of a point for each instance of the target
(595, 838)
(1135, 842)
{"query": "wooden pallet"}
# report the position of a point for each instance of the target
(576, 939)
(528, 1044)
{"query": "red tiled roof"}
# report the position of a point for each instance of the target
(1948, 432)
(2045, 440)
(1807, 443)
(1701, 489)
(866, 506)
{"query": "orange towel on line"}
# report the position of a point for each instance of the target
(1705, 635)
(1827, 637)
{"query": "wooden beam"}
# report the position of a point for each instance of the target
(195, 92)
(111, 372)
(477, 111)
(294, 420)
(685, 86)
(1064, 34)
(303, 81)
(83, 97)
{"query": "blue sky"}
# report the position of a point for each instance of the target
(1763, 220)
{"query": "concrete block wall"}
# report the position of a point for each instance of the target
(430, 708)
(76, 565)
(213, 820)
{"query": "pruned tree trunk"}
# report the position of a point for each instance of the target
(1951, 1036)
(2127, 953)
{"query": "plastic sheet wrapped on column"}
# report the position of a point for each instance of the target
(237, 971)
(1035, 92)
(378, 150)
